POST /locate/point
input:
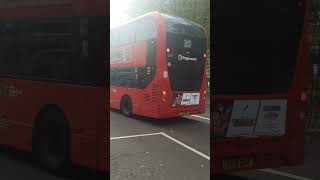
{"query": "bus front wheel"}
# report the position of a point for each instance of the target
(51, 142)
(126, 106)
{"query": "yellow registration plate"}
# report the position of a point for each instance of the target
(184, 113)
(237, 163)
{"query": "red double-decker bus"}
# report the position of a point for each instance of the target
(259, 83)
(52, 81)
(158, 67)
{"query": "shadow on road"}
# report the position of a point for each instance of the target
(20, 164)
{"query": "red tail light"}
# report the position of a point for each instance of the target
(303, 97)
(164, 93)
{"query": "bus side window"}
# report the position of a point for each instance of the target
(51, 65)
(9, 48)
(126, 35)
(140, 32)
(114, 39)
(114, 79)
(145, 30)
(84, 25)
(48, 46)
(2, 49)
(127, 77)
(93, 67)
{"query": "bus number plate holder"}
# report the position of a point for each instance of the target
(184, 113)
(242, 163)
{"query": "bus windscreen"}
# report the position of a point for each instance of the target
(255, 49)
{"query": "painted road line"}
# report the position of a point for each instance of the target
(201, 117)
(281, 173)
(186, 146)
(167, 136)
(133, 136)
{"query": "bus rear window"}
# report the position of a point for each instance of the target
(186, 42)
(255, 49)
(181, 26)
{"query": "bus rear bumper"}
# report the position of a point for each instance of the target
(245, 154)
(177, 114)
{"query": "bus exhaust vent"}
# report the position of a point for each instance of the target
(147, 97)
(155, 93)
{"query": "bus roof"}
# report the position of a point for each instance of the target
(153, 13)
(156, 13)
(181, 20)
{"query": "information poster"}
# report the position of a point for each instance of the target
(272, 118)
(190, 99)
(243, 118)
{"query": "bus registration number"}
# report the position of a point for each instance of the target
(184, 113)
(237, 163)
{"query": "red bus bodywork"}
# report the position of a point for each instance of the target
(159, 89)
(270, 151)
(82, 105)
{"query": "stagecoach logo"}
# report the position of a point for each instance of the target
(181, 57)
(187, 43)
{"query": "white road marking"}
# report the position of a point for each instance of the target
(281, 173)
(186, 146)
(201, 117)
(133, 136)
(167, 136)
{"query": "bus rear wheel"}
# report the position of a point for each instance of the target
(126, 106)
(51, 142)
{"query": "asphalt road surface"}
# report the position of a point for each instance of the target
(17, 165)
(147, 149)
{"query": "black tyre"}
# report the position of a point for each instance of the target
(126, 106)
(51, 142)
